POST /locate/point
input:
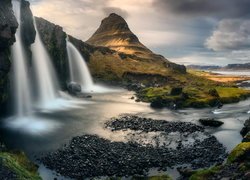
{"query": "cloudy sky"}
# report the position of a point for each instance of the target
(205, 32)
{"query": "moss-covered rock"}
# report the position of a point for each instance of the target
(18, 166)
(197, 93)
(236, 167)
(240, 153)
(205, 173)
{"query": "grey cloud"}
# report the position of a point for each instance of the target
(119, 11)
(230, 34)
(215, 8)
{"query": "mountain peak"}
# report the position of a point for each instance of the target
(115, 33)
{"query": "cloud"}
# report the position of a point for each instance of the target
(79, 17)
(176, 29)
(218, 8)
(231, 34)
(121, 12)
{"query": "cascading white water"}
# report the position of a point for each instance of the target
(79, 71)
(21, 84)
(46, 77)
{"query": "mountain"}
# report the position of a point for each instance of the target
(245, 66)
(115, 33)
(204, 67)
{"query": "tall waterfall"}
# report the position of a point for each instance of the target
(46, 77)
(79, 71)
(22, 88)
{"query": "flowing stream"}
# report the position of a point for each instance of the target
(22, 91)
(79, 71)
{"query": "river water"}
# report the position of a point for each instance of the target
(49, 130)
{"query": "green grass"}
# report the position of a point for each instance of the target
(20, 165)
(205, 173)
(197, 94)
(243, 149)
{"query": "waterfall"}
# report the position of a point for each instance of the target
(79, 71)
(46, 77)
(22, 89)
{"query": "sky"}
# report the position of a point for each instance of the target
(201, 32)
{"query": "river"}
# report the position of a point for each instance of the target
(50, 130)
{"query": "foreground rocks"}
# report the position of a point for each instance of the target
(92, 156)
(246, 128)
(236, 167)
(148, 125)
(211, 122)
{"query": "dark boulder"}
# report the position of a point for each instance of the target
(213, 92)
(158, 103)
(28, 29)
(176, 91)
(74, 88)
(246, 137)
(210, 122)
(246, 128)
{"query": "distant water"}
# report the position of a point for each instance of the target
(237, 73)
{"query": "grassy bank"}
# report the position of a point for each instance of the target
(190, 90)
(19, 166)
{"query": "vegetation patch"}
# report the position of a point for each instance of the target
(205, 173)
(19, 164)
(196, 92)
(240, 152)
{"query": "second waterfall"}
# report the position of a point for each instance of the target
(79, 72)
(46, 78)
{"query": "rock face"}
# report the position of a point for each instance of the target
(54, 39)
(115, 33)
(28, 29)
(246, 128)
(8, 26)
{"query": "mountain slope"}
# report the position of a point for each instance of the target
(114, 33)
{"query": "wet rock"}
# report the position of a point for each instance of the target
(28, 29)
(246, 137)
(91, 156)
(137, 123)
(246, 128)
(185, 172)
(74, 88)
(8, 24)
(210, 122)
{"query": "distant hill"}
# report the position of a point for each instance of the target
(245, 66)
(200, 67)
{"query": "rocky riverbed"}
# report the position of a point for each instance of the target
(93, 156)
